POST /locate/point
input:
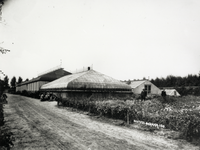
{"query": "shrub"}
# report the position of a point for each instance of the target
(24, 93)
(18, 92)
(5, 136)
(180, 114)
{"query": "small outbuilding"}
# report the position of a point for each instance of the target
(172, 92)
(150, 88)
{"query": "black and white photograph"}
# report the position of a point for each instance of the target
(99, 74)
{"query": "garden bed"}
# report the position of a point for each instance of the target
(179, 115)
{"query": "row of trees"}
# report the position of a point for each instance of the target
(177, 81)
(173, 81)
(13, 82)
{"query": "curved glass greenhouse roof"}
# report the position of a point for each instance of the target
(88, 80)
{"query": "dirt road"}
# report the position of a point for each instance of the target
(43, 125)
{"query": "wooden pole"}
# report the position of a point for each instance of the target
(127, 116)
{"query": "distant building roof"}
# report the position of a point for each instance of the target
(135, 84)
(49, 76)
(172, 92)
(88, 80)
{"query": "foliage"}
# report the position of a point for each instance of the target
(13, 82)
(1, 87)
(19, 80)
(28, 93)
(180, 114)
(189, 91)
(33, 94)
(5, 135)
(24, 93)
(6, 80)
(177, 81)
(3, 50)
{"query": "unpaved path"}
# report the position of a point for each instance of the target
(43, 125)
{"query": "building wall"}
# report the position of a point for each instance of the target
(40, 83)
(18, 88)
(35, 84)
(94, 95)
(31, 87)
(154, 90)
(21, 88)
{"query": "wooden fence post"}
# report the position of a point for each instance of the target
(127, 116)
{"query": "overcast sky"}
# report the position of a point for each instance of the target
(124, 39)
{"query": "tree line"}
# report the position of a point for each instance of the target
(13, 82)
(173, 81)
(169, 81)
(177, 81)
(188, 85)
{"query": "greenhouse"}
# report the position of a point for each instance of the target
(87, 84)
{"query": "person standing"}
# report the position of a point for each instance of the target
(143, 95)
(163, 94)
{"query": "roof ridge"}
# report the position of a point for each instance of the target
(73, 75)
(50, 70)
(82, 73)
(90, 79)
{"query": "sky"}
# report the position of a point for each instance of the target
(124, 39)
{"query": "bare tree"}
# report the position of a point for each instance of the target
(2, 50)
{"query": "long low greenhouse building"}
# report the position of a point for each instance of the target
(34, 84)
(87, 84)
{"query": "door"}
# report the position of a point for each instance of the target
(147, 88)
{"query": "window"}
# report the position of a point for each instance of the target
(147, 88)
(175, 93)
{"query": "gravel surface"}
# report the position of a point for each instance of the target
(44, 125)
